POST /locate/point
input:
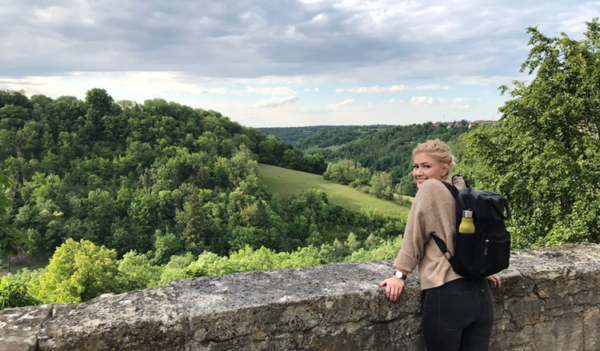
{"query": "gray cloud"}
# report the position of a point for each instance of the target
(251, 38)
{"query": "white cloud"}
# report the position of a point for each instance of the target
(395, 101)
(391, 89)
(491, 80)
(150, 84)
(310, 90)
(340, 104)
(452, 103)
(276, 101)
(420, 100)
(266, 91)
(320, 17)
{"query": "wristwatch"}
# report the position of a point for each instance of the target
(399, 275)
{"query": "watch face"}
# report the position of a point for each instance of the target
(399, 275)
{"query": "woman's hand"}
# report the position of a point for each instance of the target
(393, 288)
(495, 279)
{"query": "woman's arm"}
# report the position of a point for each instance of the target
(393, 287)
(416, 234)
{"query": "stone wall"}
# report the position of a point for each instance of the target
(550, 300)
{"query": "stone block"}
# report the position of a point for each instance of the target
(139, 320)
(559, 334)
(504, 339)
(19, 327)
(591, 329)
(564, 311)
(589, 297)
(524, 310)
(528, 347)
(514, 283)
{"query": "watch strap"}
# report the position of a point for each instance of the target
(401, 275)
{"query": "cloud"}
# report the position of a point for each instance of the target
(276, 102)
(309, 90)
(149, 84)
(336, 39)
(420, 100)
(266, 91)
(452, 103)
(391, 89)
(492, 80)
(340, 104)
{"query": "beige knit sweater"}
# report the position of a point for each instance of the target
(433, 212)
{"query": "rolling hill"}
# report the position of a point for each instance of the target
(286, 182)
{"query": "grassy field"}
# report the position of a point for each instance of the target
(286, 182)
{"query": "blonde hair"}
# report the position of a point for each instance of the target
(439, 150)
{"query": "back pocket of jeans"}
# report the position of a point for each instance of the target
(456, 308)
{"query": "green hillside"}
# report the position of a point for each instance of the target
(286, 182)
(295, 134)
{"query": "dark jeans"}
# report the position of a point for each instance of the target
(458, 316)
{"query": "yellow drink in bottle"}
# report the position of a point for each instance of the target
(467, 226)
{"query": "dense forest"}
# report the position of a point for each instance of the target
(129, 176)
(293, 135)
(158, 179)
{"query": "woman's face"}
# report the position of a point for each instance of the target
(426, 166)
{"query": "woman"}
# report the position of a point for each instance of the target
(457, 313)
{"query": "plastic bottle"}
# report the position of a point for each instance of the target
(466, 224)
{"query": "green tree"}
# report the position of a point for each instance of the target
(544, 155)
(10, 238)
(136, 272)
(196, 221)
(15, 295)
(166, 245)
(381, 185)
(78, 271)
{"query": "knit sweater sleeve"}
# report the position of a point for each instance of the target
(418, 229)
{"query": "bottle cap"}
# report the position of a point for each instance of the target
(467, 214)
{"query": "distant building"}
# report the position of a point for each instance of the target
(481, 121)
(456, 124)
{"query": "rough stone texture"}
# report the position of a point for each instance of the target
(19, 327)
(138, 320)
(591, 329)
(549, 301)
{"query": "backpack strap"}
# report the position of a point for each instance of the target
(452, 189)
(500, 211)
(464, 180)
(440, 243)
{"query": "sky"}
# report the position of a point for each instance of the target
(283, 63)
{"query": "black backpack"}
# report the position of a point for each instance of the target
(486, 252)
